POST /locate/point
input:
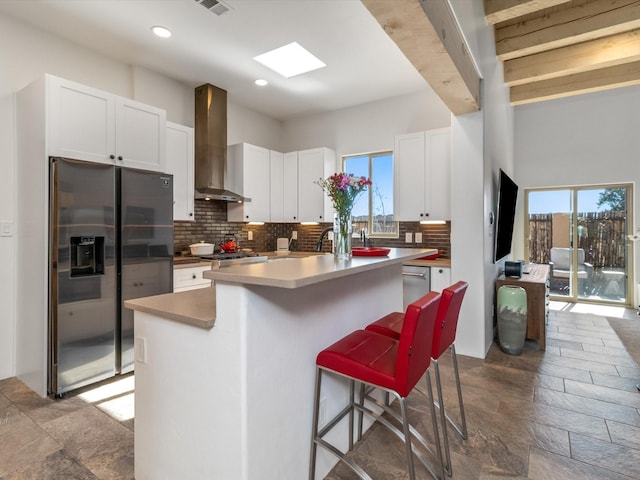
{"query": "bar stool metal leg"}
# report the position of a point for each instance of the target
(443, 419)
(314, 427)
(462, 430)
(316, 434)
(407, 438)
(434, 424)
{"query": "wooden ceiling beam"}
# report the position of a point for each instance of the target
(428, 36)
(497, 11)
(585, 82)
(592, 55)
(580, 23)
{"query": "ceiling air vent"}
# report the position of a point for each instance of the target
(214, 6)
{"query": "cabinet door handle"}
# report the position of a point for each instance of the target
(120, 157)
(112, 156)
(193, 275)
(409, 274)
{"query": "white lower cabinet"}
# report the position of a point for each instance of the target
(440, 278)
(190, 278)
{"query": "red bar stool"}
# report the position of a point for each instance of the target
(392, 365)
(444, 335)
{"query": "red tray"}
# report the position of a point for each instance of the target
(433, 256)
(370, 251)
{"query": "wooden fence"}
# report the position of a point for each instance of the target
(602, 235)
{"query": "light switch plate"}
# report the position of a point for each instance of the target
(418, 237)
(250, 235)
(6, 229)
(408, 237)
(140, 350)
(294, 235)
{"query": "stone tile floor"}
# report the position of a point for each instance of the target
(82, 437)
(570, 412)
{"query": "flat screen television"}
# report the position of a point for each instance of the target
(505, 216)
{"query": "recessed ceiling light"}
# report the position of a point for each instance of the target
(162, 32)
(290, 60)
(261, 82)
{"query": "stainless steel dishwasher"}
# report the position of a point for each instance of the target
(416, 282)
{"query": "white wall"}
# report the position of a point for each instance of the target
(482, 143)
(41, 53)
(248, 126)
(581, 140)
(367, 128)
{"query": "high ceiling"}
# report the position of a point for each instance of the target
(557, 48)
(550, 48)
(363, 63)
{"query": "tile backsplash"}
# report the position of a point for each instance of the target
(211, 226)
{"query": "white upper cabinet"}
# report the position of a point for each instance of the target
(140, 135)
(290, 187)
(180, 165)
(284, 187)
(89, 124)
(422, 176)
(314, 165)
(82, 121)
(276, 180)
(248, 174)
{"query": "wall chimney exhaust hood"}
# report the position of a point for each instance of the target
(211, 145)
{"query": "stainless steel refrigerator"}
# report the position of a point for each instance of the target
(111, 239)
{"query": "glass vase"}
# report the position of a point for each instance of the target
(342, 230)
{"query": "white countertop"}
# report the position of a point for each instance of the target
(198, 307)
(193, 307)
(177, 265)
(300, 272)
(436, 262)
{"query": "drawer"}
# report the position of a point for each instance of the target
(190, 278)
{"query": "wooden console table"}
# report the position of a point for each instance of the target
(536, 284)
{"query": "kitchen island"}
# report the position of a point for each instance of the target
(230, 396)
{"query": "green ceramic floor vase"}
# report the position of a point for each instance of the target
(512, 318)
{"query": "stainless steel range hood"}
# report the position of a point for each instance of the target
(211, 145)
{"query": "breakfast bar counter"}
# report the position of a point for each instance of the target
(235, 400)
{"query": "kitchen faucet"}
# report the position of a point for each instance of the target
(363, 237)
(319, 243)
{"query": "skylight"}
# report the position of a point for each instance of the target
(290, 60)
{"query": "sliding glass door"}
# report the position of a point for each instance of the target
(582, 233)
